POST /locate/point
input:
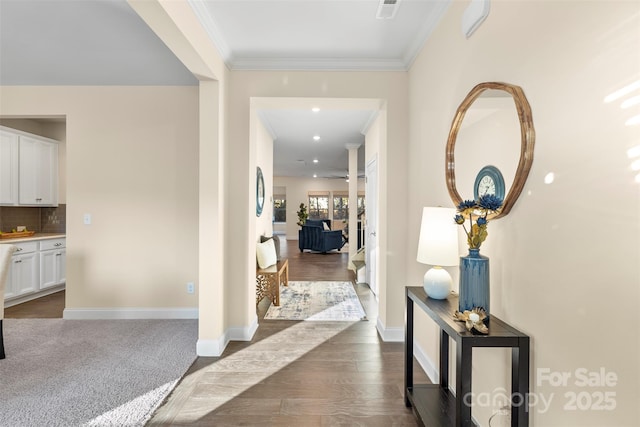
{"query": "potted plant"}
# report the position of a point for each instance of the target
(302, 215)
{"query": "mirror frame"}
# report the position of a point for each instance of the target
(527, 142)
(260, 192)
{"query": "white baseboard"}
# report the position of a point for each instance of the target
(211, 348)
(129, 313)
(397, 335)
(426, 363)
(214, 348)
(243, 333)
(389, 334)
(431, 369)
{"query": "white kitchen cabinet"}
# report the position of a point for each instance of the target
(52, 263)
(38, 268)
(23, 274)
(8, 168)
(38, 170)
(28, 169)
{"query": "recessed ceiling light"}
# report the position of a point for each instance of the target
(315, 176)
(315, 160)
(316, 138)
(315, 109)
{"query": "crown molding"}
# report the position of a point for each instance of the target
(316, 64)
(211, 27)
(425, 31)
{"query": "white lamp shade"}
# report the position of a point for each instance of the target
(438, 244)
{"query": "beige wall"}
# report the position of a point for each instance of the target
(132, 163)
(564, 262)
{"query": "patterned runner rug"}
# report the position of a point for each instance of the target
(318, 301)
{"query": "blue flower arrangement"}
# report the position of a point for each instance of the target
(477, 210)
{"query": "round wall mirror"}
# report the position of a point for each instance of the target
(259, 192)
(490, 145)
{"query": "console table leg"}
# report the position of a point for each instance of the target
(463, 384)
(520, 384)
(408, 352)
(444, 360)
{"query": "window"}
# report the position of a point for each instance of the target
(279, 209)
(319, 206)
(340, 207)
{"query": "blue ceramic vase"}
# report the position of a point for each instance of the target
(474, 281)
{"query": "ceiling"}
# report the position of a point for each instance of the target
(296, 151)
(104, 42)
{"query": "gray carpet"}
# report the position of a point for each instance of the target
(91, 372)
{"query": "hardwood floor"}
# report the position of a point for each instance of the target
(47, 307)
(291, 373)
(298, 373)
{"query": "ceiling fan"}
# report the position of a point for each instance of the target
(344, 176)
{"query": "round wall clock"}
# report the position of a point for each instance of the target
(489, 181)
(259, 192)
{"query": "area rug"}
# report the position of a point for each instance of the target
(317, 301)
(91, 372)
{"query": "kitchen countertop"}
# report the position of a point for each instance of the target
(37, 236)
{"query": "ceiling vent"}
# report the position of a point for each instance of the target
(387, 9)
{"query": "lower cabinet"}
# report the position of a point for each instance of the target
(23, 274)
(52, 263)
(37, 267)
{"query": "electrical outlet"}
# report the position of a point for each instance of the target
(191, 288)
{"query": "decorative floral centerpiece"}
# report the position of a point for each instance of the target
(473, 319)
(477, 211)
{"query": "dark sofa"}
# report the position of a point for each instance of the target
(314, 237)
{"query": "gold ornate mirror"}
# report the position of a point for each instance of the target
(490, 105)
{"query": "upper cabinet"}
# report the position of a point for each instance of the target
(8, 168)
(28, 169)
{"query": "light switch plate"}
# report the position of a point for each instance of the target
(87, 219)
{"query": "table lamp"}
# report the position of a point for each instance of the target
(438, 246)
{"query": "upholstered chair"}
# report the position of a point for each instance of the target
(316, 235)
(5, 261)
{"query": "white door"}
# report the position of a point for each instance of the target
(371, 225)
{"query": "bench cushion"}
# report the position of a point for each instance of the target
(276, 242)
(266, 253)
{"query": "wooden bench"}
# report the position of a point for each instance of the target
(268, 281)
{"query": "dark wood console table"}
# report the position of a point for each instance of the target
(434, 404)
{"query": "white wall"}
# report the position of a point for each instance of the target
(564, 262)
